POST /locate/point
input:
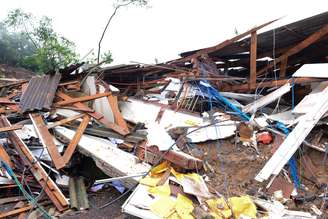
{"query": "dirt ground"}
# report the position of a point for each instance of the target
(235, 167)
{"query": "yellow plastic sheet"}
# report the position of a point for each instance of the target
(174, 215)
(219, 208)
(150, 180)
(160, 190)
(161, 168)
(184, 207)
(192, 123)
(181, 176)
(155, 175)
(242, 206)
(163, 207)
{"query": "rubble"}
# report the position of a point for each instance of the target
(229, 131)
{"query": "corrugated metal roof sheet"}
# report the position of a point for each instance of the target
(40, 93)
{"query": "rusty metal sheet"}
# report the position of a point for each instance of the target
(40, 93)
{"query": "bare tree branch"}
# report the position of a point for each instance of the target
(109, 21)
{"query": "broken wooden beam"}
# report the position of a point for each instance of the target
(4, 100)
(297, 48)
(64, 121)
(180, 159)
(99, 117)
(15, 212)
(253, 54)
(50, 188)
(76, 109)
(11, 199)
(47, 140)
(117, 114)
(268, 84)
(75, 140)
(283, 68)
(10, 128)
(82, 99)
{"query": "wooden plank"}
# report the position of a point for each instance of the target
(50, 188)
(13, 84)
(82, 99)
(7, 186)
(11, 199)
(78, 134)
(283, 68)
(4, 100)
(117, 114)
(10, 104)
(293, 141)
(10, 128)
(253, 60)
(64, 96)
(69, 83)
(5, 157)
(47, 140)
(76, 109)
(6, 111)
(297, 48)
(273, 83)
(15, 211)
(63, 121)
(99, 117)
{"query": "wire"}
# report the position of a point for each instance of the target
(31, 199)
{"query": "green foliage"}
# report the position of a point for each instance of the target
(236, 31)
(50, 51)
(107, 57)
(14, 48)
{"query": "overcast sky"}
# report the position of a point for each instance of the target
(166, 28)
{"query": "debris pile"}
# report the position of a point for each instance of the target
(236, 130)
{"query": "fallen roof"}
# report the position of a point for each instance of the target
(40, 93)
(280, 39)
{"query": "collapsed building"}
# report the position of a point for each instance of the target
(236, 130)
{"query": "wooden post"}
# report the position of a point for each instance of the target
(253, 55)
(283, 68)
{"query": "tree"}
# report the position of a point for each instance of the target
(119, 4)
(14, 48)
(50, 51)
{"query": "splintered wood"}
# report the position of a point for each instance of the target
(99, 117)
(48, 140)
(50, 188)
